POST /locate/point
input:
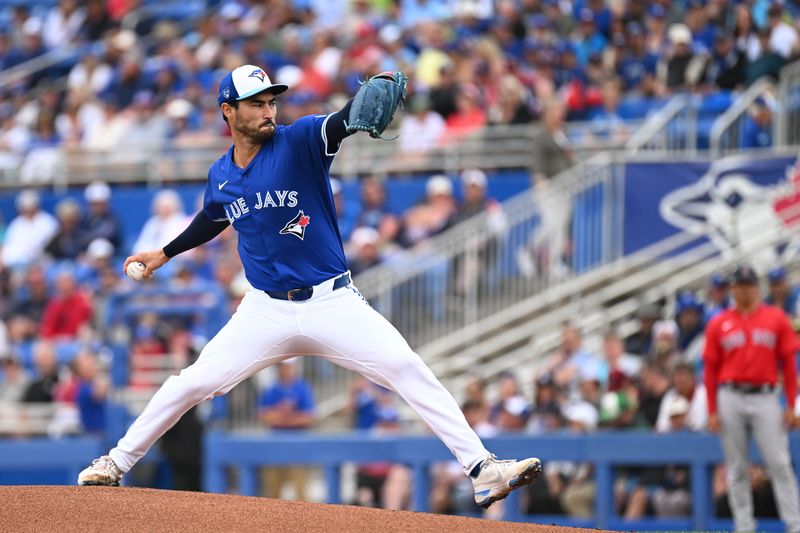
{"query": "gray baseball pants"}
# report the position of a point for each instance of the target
(760, 415)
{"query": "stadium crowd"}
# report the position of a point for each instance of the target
(149, 83)
(143, 80)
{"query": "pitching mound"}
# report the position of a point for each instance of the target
(84, 509)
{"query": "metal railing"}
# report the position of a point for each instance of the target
(672, 129)
(726, 132)
(494, 147)
(788, 115)
(500, 256)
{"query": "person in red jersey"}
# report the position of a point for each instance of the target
(747, 345)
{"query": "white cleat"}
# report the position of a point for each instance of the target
(497, 478)
(102, 472)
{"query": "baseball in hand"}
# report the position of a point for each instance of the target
(135, 270)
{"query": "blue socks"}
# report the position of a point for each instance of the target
(476, 470)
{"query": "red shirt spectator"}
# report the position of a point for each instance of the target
(67, 311)
(747, 348)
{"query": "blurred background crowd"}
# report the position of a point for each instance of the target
(147, 76)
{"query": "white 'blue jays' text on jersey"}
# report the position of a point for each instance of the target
(282, 208)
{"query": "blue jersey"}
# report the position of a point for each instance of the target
(282, 208)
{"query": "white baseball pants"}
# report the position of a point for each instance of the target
(337, 325)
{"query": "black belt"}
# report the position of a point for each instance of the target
(749, 388)
(299, 295)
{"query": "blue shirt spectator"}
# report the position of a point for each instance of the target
(91, 393)
(757, 127)
(289, 403)
(781, 293)
(92, 409)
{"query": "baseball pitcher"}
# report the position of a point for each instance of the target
(273, 187)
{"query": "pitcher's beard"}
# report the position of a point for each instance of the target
(258, 135)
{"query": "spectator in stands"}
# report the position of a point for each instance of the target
(606, 121)
(685, 386)
(578, 496)
(768, 62)
(43, 388)
(744, 33)
(757, 127)
(14, 381)
(90, 77)
(513, 105)
(553, 152)
(639, 343)
(637, 68)
(474, 202)
(672, 497)
(167, 222)
(287, 405)
(717, 298)
(451, 492)
(92, 393)
(679, 70)
(69, 311)
(69, 242)
(100, 221)
(63, 24)
(511, 411)
(664, 350)
(654, 383)
(374, 212)
(570, 361)
(781, 293)
(29, 233)
(725, 66)
(546, 411)
(373, 408)
(434, 215)
(30, 46)
(689, 317)
(469, 115)
(363, 250)
(97, 23)
(618, 361)
(421, 129)
(345, 216)
(30, 299)
(784, 38)
(587, 39)
(128, 81)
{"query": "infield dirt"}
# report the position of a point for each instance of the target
(87, 509)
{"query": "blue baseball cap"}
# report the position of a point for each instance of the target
(246, 81)
(776, 274)
(687, 301)
(719, 280)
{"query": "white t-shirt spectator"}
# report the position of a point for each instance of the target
(421, 134)
(783, 40)
(27, 237)
(696, 418)
(60, 30)
(158, 232)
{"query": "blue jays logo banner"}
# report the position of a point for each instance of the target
(733, 202)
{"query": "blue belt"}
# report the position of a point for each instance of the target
(304, 293)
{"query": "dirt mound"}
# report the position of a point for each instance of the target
(85, 509)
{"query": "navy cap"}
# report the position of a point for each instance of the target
(657, 11)
(687, 301)
(246, 81)
(718, 280)
(744, 274)
(776, 274)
